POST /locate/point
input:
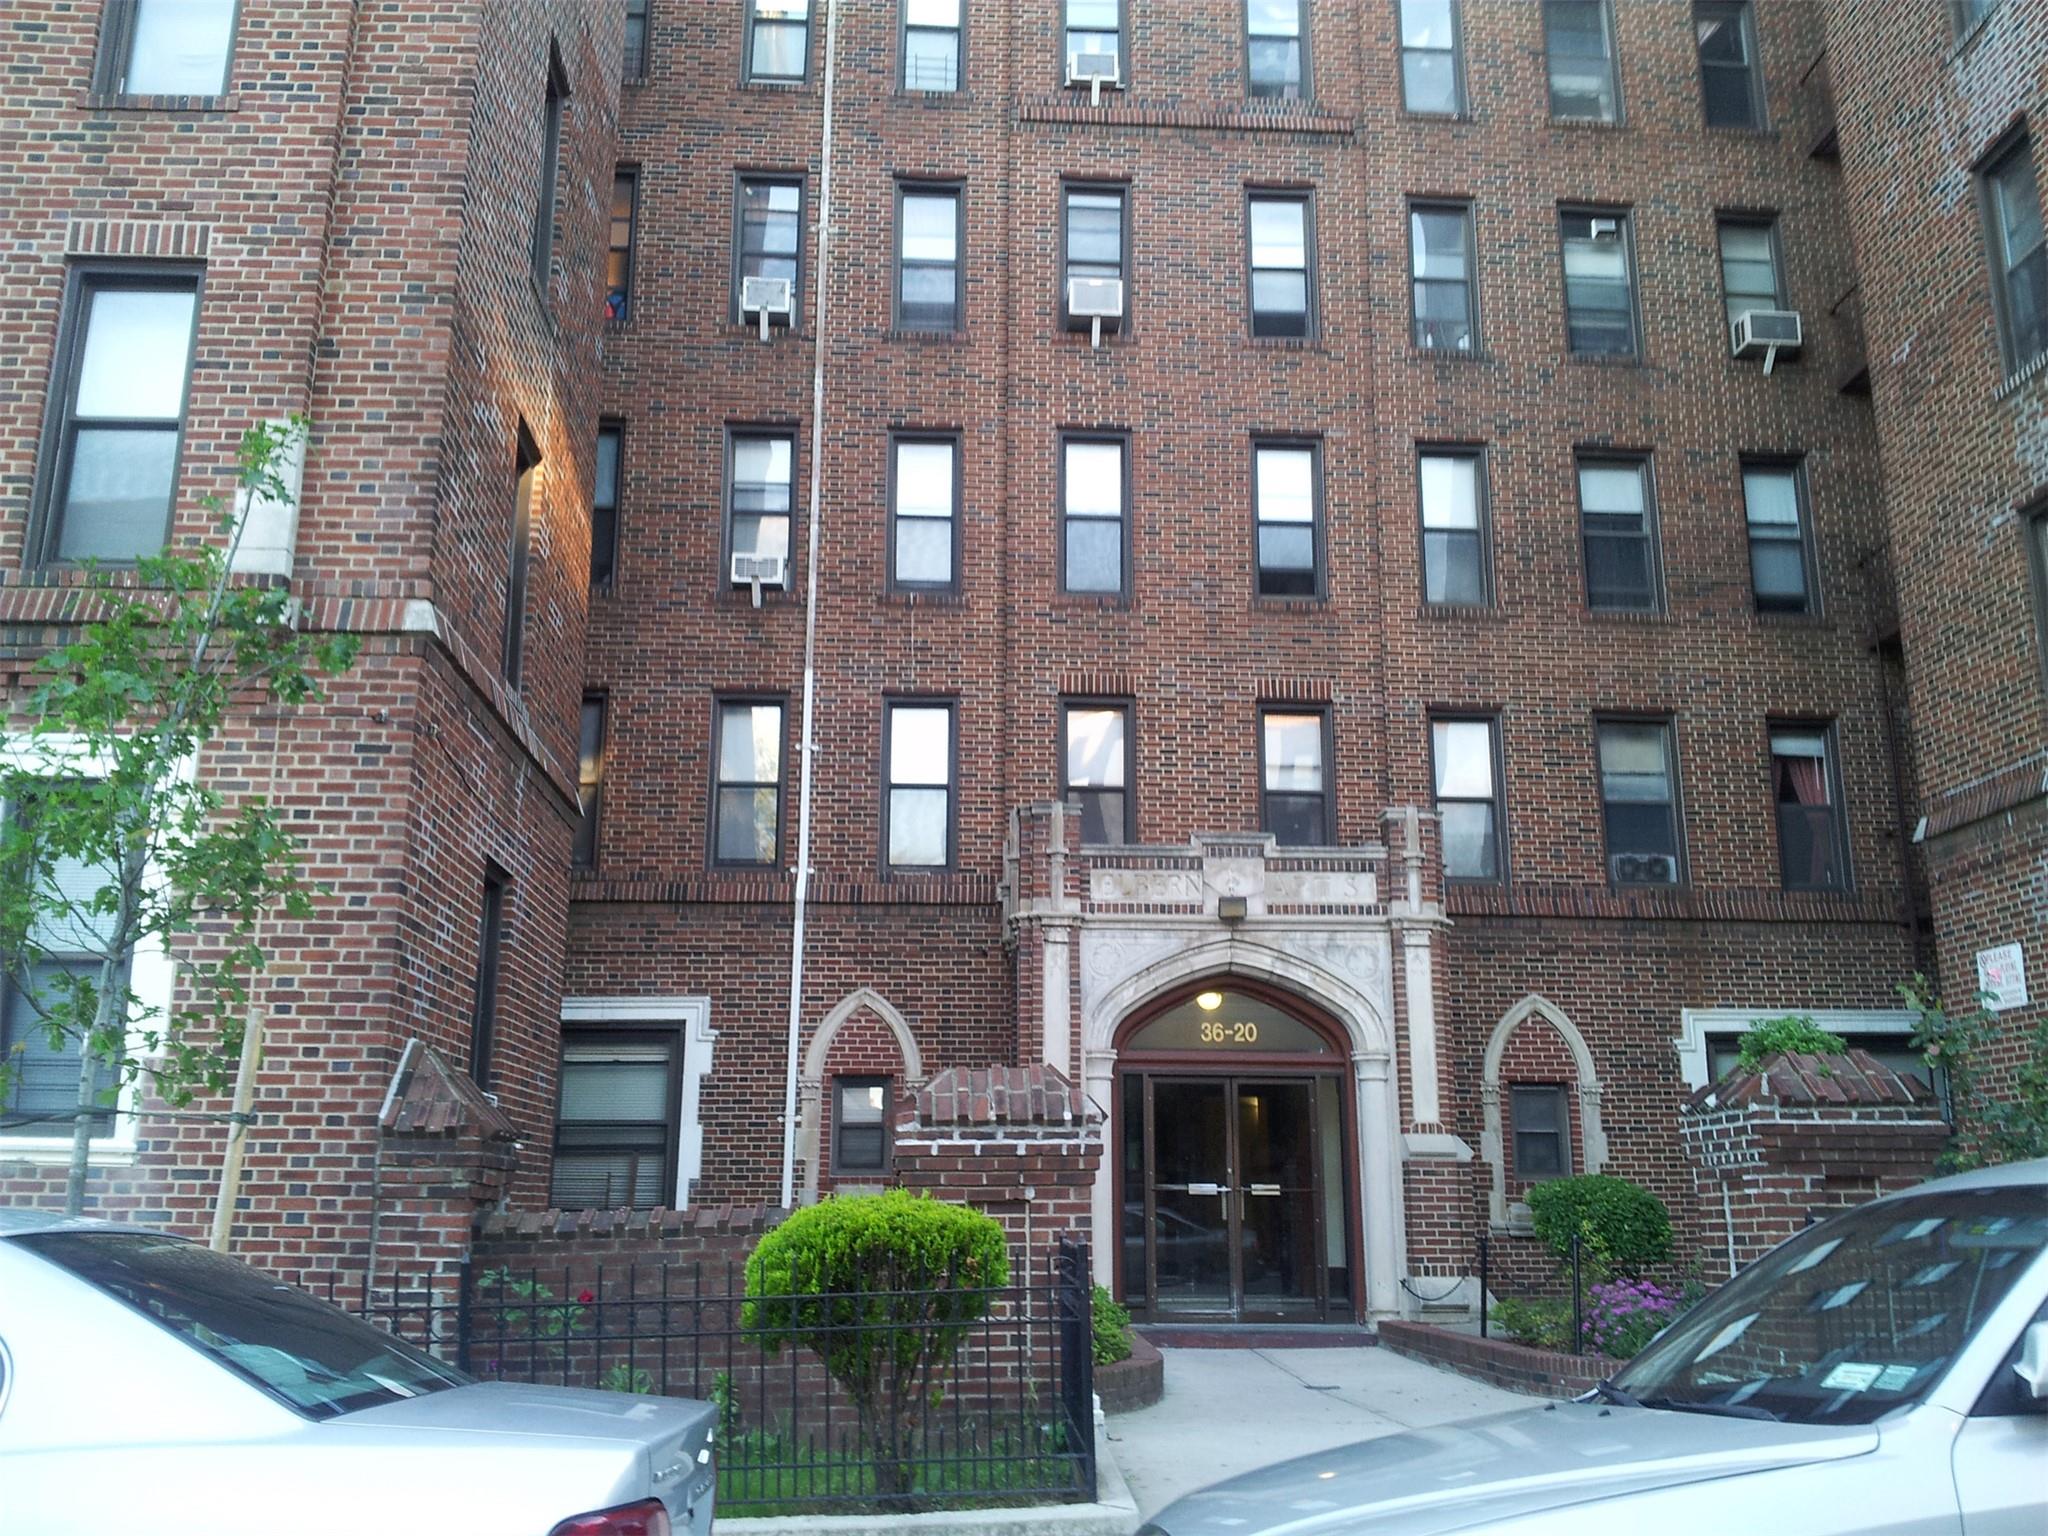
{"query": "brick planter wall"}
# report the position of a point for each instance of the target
(1138, 1382)
(1518, 1368)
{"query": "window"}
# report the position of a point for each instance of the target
(123, 365)
(928, 259)
(1098, 769)
(770, 240)
(1810, 832)
(778, 40)
(1286, 510)
(1455, 569)
(618, 260)
(748, 795)
(1276, 56)
(1280, 270)
(615, 1127)
(1967, 13)
(1542, 1137)
(1728, 72)
(1780, 543)
(483, 1016)
(1297, 806)
(757, 496)
(1094, 485)
(1095, 245)
(1440, 247)
(1094, 29)
(1617, 523)
(589, 778)
(604, 504)
(2037, 549)
(556, 93)
(512, 657)
(1749, 268)
(635, 66)
(1639, 802)
(1893, 1049)
(1466, 760)
(918, 809)
(1599, 283)
(1578, 40)
(1430, 73)
(860, 1125)
(931, 45)
(2019, 257)
(926, 481)
(166, 47)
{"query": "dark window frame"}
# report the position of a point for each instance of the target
(83, 279)
(627, 1032)
(891, 702)
(2033, 524)
(741, 181)
(956, 189)
(735, 432)
(527, 463)
(1311, 329)
(1121, 190)
(1325, 714)
(1681, 863)
(1483, 506)
(113, 54)
(753, 20)
(1318, 515)
(641, 11)
(903, 31)
(750, 699)
(1963, 20)
(1614, 458)
(1123, 46)
(627, 297)
(547, 203)
(1752, 43)
(483, 1015)
(1561, 1092)
(1469, 217)
(1607, 21)
(1498, 757)
(1625, 216)
(1831, 761)
(1128, 708)
(885, 1164)
(590, 779)
(1809, 556)
(1307, 93)
(1463, 107)
(953, 439)
(1121, 438)
(2011, 147)
(604, 519)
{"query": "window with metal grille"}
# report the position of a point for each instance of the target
(931, 45)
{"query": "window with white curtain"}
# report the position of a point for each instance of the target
(1780, 541)
(918, 805)
(1464, 756)
(1286, 506)
(922, 525)
(1454, 563)
(1098, 769)
(1093, 484)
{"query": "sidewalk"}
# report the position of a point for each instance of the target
(1229, 1410)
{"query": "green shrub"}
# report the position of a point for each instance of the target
(1112, 1329)
(1793, 1032)
(1541, 1323)
(1622, 1228)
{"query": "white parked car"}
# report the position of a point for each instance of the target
(1883, 1373)
(150, 1384)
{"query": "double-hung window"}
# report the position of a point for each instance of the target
(554, 99)
(1617, 521)
(165, 47)
(1466, 758)
(1804, 788)
(770, 244)
(121, 378)
(1780, 537)
(1296, 800)
(1276, 50)
(1639, 802)
(1440, 247)
(1430, 75)
(1098, 768)
(1093, 37)
(490, 940)
(1749, 268)
(1281, 286)
(757, 496)
(860, 1125)
(1728, 71)
(747, 796)
(931, 45)
(1094, 249)
(604, 504)
(618, 256)
(1967, 13)
(2037, 557)
(615, 1128)
(917, 808)
(1541, 1131)
(1094, 490)
(1578, 40)
(634, 65)
(1455, 568)
(589, 778)
(778, 40)
(1287, 506)
(1599, 282)
(2019, 256)
(512, 655)
(928, 259)
(925, 482)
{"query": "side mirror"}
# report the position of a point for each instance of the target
(2032, 1368)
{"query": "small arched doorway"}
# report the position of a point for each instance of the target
(1235, 1150)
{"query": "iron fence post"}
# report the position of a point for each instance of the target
(1076, 1303)
(1578, 1302)
(1485, 1264)
(462, 1317)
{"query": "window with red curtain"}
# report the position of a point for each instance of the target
(1809, 820)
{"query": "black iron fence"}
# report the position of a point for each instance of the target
(967, 1397)
(1575, 1271)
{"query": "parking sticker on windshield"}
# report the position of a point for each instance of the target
(1852, 1376)
(1895, 1378)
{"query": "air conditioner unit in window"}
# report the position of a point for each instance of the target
(1769, 331)
(1095, 299)
(1095, 70)
(767, 297)
(1644, 869)
(758, 571)
(1604, 229)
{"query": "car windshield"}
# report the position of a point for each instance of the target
(312, 1356)
(1851, 1319)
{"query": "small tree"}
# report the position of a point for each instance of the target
(113, 841)
(882, 1288)
(2002, 1121)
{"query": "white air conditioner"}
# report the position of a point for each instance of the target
(1769, 331)
(1604, 229)
(1095, 69)
(1095, 299)
(758, 571)
(1644, 869)
(766, 297)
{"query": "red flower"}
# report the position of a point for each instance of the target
(585, 1297)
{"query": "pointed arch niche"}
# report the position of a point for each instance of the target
(862, 1003)
(1534, 1012)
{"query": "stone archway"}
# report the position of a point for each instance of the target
(1586, 1090)
(811, 1086)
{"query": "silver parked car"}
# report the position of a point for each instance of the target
(1886, 1371)
(152, 1384)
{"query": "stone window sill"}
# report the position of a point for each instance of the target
(118, 101)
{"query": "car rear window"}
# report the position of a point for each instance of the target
(313, 1357)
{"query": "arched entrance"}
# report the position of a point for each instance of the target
(1235, 1149)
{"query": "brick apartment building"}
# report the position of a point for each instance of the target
(1230, 543)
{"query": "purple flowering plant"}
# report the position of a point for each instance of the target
(1621, 1316)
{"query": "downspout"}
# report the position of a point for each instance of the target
(805, 746)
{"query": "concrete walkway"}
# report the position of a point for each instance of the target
(1229, 1410)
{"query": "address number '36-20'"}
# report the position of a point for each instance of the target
(1218, 1032)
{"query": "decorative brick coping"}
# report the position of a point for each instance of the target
(1517, 1367)
(1137, 1382)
